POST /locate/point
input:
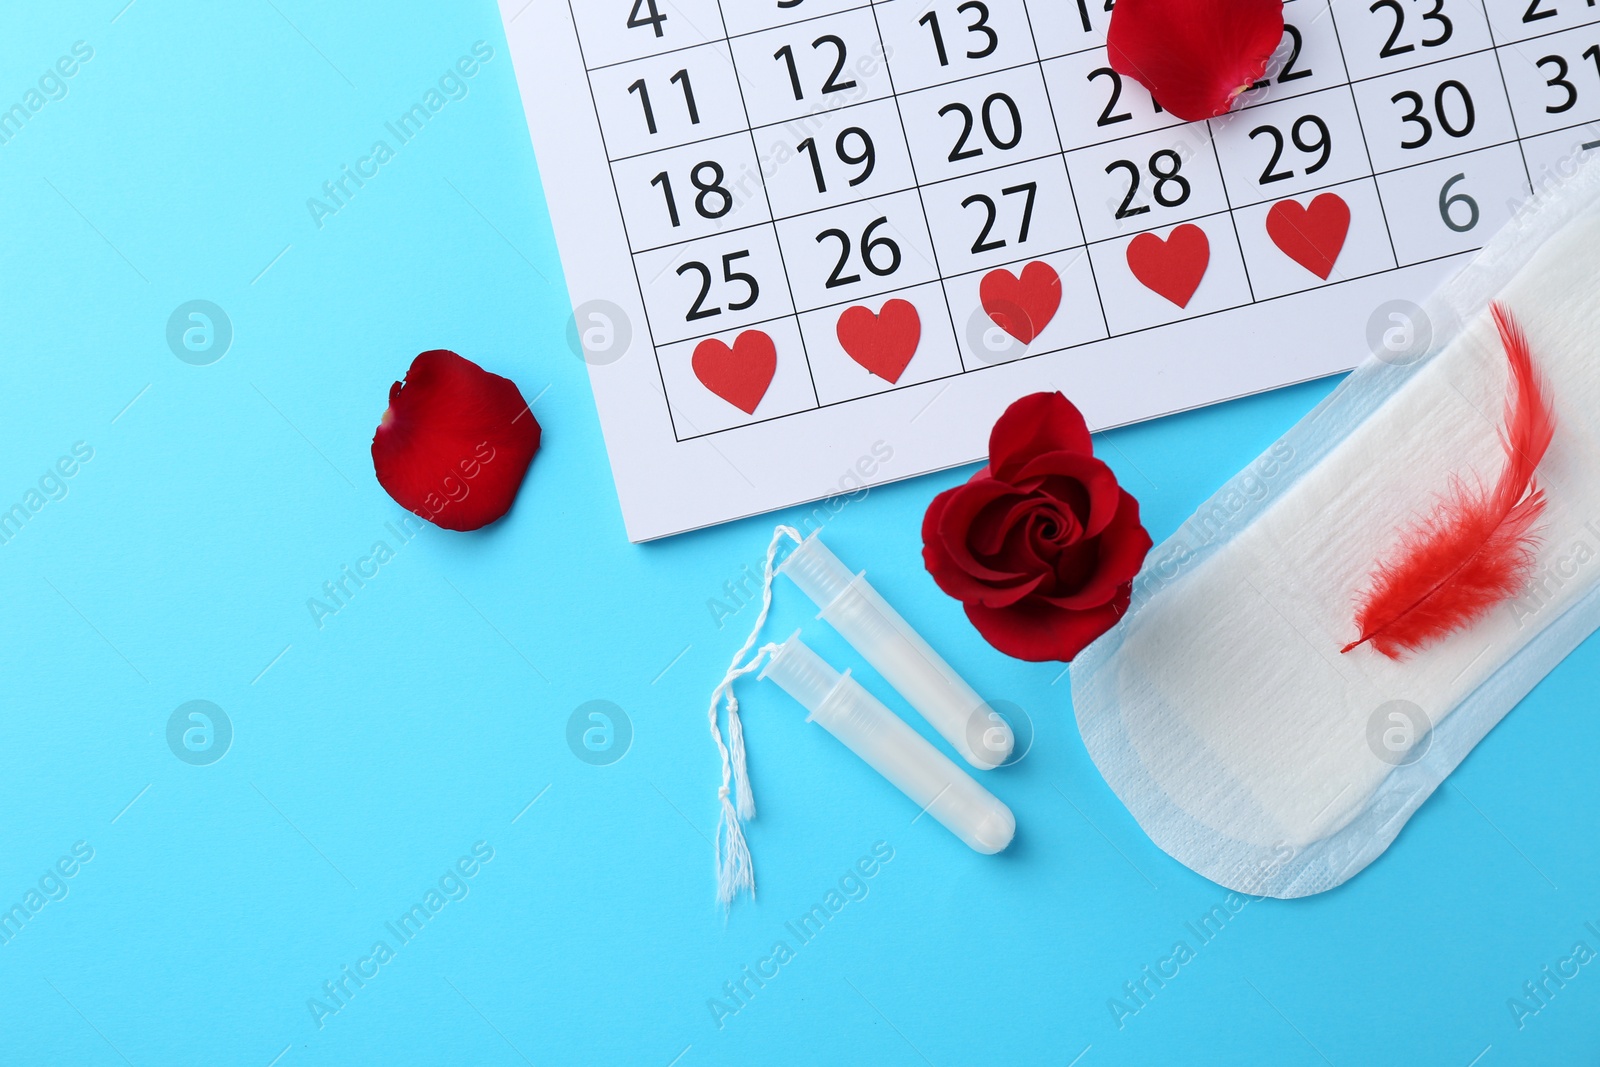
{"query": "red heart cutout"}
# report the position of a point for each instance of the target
(883, 343)
(1024, 306)
(741, 374)
(1173, 267)
(1311, 236)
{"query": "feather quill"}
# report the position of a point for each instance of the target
(1476, 548)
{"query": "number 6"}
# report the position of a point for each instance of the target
(1448, 200)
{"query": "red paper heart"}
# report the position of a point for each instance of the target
(741, 374)
(1173, 267)
(1024, 306)
(1311, 236)
(883, 343)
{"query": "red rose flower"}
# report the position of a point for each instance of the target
(455, 442)
(1040, 546)
(1194, 56)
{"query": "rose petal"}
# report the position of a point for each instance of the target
(1037, 631)
(1039, 422)
(1052, 526)
(1003, 519)
(961, 511)
(1120, 551)
(1194, 56)
(1074, 567)
(1094, 491)
(992, 524)
(945, 555)
(455, 443)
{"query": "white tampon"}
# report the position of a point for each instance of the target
(849, 604)
(839, 704)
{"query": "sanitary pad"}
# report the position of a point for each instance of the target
(1220, 709)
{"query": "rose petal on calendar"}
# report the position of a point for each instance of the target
(1172, 267)
(1024, 306)
(883, 343)
(1194, 56)
(1312, 236)
(740, 374)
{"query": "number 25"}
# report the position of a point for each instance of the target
(698, 309)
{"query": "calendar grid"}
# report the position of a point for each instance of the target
(1366, 148)
(1227, 199)
(1510, 105)
(634, 263)
(872, 95)
(1077, 209)
(921, 199)
(767, 195)
(1054, 351)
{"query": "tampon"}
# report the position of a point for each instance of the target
(839, 704)
(849, 604)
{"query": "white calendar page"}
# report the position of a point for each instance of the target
(817, 245)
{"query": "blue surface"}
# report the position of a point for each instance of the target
(372, 754)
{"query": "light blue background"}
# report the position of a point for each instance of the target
(425, 716)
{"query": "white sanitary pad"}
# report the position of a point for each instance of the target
(1221, 710)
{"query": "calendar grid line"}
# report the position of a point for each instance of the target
(777, 238)
(1546, 34)
(731, 37)
(1572, 126)
(1072, 192)
(1511, 107)
(1222, 181)
(824, 405)
(1072, 52)
(594, 103)
(1450, 155)
(1361, 128)
(921, 199)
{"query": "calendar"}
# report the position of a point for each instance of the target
(818, 245)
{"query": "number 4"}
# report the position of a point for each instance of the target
(654, 20)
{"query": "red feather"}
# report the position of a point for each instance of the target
(1476, 549)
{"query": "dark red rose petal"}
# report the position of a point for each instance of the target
(1036, 529)
(1037, 631)
(455, 442)
(993, 523)
(951, 564)
(961, 510)
(1121, 550)
(1075, 568)
(1040, 422)
(1078, 479)
(1194, 56)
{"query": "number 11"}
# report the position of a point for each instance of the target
(681, 78)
